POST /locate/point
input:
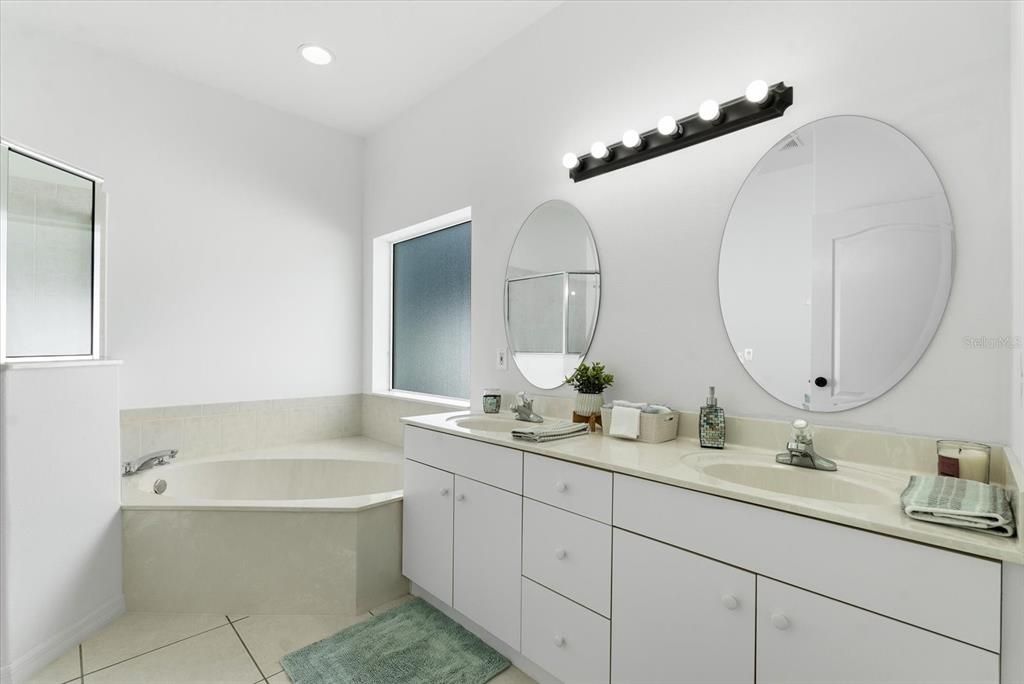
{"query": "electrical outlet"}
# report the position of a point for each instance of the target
(501, 360)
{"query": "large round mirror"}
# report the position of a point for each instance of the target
(836, 263)
(552, 293)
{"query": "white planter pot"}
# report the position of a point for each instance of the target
(589, 404)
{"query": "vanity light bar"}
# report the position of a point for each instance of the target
(761, 103)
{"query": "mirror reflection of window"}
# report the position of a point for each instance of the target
(50, 260)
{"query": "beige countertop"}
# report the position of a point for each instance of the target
(676, 463)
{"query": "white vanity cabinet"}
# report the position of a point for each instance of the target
(462, 527)
(488, 548)
(679, 618)
(427, 531)
(598, 578)
(803, 638)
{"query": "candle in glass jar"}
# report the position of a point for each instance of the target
(974, 464)
(966, 460)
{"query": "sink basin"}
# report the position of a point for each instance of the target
(487, 423)
(848, 486)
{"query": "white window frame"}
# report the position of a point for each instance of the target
(383, 302)
(99, 264)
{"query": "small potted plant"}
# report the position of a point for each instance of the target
(590, 382)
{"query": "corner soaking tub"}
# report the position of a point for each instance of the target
(311, 528)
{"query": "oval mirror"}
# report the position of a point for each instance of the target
(836, 263)
(552, 293)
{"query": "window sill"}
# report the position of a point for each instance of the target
(423, 398)
(12, 364)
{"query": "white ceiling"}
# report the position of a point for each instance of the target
(388, 55)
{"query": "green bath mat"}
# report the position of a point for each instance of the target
(412, 644)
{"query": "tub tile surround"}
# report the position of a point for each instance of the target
(207, 429)
(160, 648)
(901, 455)
(382, 415)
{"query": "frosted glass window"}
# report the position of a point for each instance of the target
(430, 313)
(50, 242)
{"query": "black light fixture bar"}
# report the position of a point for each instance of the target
(692, 130)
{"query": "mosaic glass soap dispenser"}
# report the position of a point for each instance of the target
(712, 423)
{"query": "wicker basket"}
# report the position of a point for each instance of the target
(654, 427)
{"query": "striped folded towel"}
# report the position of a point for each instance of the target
(960, 503)
(550, 432)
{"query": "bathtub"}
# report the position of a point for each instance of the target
(311, 528)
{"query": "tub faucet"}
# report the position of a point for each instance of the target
(524, 409)
(800, 450)
(157, 458)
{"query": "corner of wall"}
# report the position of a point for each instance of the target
(1017, 225)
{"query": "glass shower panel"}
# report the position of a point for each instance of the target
(50, 243)
(430, 313)
(581, 311)
(535, 313)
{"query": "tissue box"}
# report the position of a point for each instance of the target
(654, 427)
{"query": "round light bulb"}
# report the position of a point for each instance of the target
(757, 91)
(709, 110)
(631, 139)
(570, 161)
(599, 150)
(668, 126)
(314, 54)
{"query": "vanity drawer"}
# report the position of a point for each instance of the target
(568, 553)
(494, 465)
(569, 641)
(576, 488)
(943, 591)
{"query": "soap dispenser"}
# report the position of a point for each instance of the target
(712, 423)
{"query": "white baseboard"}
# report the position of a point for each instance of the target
(18, 671)
(529, 667)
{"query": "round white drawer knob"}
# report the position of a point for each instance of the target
(780, 621)
(560, 554)
(559, 640)
(730, 601)
(561, 486)
(460, 497)
(444, 491)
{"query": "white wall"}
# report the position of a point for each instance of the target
(1012, 660)
(235, 269)
(60, 511)
(1017, 222)
(494, 138)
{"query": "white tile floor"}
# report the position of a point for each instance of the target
(157, 648)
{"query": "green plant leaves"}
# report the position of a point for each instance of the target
(590, 379)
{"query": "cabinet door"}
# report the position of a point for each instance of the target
(677, 617)
(804, 637)
(488, 557)
(427, 528)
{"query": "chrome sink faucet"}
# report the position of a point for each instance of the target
(157, 458)
(800, 450)
(523, 409)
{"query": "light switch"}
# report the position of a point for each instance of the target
(501, 360)
(748, 354)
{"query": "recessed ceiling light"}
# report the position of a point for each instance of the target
(314, 54)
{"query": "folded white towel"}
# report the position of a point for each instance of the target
(625, 422)
(656, 408)
(629, 404)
